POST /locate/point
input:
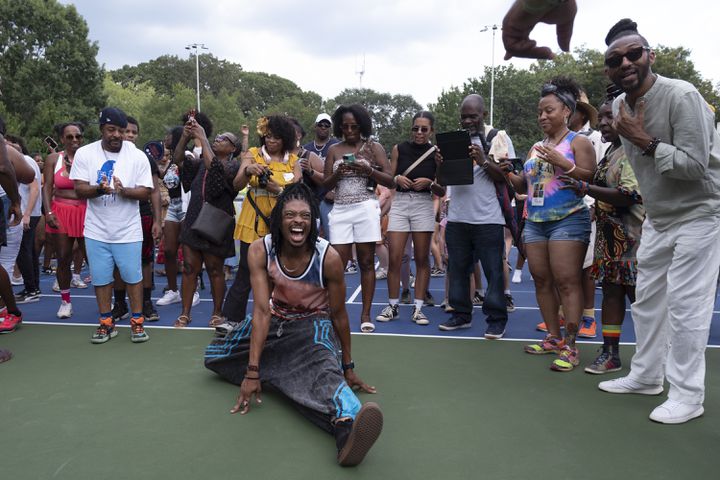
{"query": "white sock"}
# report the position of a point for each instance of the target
(517, 276)
(419, 304)
(393, 301)
(507, 292)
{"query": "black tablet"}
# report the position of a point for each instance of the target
(457, 166)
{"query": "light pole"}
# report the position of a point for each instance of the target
(197, 68)
(492, 70)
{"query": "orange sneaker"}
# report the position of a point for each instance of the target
(588, 328)
(543, 328)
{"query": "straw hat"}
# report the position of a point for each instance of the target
(589, 110)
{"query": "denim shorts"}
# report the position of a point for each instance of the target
(103, 257)
(175, 211)
(574, 228)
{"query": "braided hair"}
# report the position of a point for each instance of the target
(294, 191)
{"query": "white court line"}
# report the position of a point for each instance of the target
(359, 289)
(377, 334)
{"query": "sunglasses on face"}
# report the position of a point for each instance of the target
(422, 129)
(222, 138)
(74, 137)
(350, 126)
(323, 125)
(632, 55)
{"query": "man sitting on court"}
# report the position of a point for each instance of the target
(291, 340)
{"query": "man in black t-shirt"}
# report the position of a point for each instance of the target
(150, 217)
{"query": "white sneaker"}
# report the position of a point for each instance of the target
(196, 298)
(56, 286)
(17, 280)
(419, 317)
(517, 276)
(672, 412)
(380, 274)
(628, 385)
(77, 282)
(65, 310)
(170, 296)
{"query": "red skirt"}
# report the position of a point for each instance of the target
(70, 215)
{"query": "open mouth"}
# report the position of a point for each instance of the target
(297, 234)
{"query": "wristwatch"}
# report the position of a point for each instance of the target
(348, 366)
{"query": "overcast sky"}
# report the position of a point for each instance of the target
(416, 47)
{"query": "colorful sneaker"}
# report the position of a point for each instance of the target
(169, 297)
(10, 323)
(588, 328)
(120, 311)
(568, 359)
(65, 310)
(149, 312)
(137, 331)
(510, 303)
(550, 344)
(429, 300)
(606, 362)
(419, 317)
(105, 331)
(388, 313)
(478, 299)
(543, 328)
(405, 297)
(380, 274)
(455, 322)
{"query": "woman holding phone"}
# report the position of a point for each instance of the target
(64, 212)
(557, 229)
(412, 213)
(353, 167)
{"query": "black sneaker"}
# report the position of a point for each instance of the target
(510, 303)
(495, 330)
(455, 323)
(24, 296)
(429, 300)
(478, 299)
(120, 311)
(149, 312)
(388, 313)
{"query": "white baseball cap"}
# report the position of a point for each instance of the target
(321, 117)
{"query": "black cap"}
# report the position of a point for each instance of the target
(113, 116)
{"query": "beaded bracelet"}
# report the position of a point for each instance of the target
(583, 187)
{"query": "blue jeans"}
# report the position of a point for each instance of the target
(466, 244)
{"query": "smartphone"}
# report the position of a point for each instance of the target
(349, 158)
(518, 165)
(191, 115)
(51, 143)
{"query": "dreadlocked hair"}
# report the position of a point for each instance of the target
(294, 191)
(623, 28)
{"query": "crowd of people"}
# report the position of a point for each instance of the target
(573, 208)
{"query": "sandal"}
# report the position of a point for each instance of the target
(182, 321)
(367, 327)
(216, 320)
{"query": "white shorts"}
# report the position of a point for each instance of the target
(355, 223)
(412, 212)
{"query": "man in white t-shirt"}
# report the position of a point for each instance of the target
(114, 176)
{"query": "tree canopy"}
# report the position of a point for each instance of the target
(49, 72)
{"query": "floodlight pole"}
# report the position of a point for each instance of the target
(492, 70)
(195, 46)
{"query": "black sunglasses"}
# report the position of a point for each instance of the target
(323, 124)
(632, 55)
(422, 129)
(70, 136)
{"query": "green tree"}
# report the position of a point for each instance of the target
(48, 72)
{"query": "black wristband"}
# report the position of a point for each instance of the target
(252, 378)
(650, 149)
(348, 366)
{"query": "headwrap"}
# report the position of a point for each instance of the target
(565, 97)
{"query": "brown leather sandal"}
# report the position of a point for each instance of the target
(182, 321)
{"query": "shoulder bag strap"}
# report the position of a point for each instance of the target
(417, 162)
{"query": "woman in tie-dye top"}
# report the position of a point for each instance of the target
(557, 230)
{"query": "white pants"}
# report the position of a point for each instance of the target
(9, 253)
(675, 296)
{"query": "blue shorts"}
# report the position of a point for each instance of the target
(104, 257)
(574, 228)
